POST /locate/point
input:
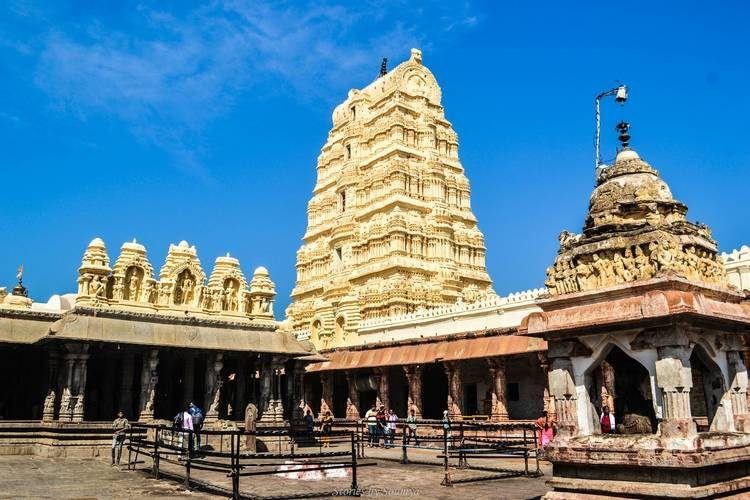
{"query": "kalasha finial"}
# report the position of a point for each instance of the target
(624, 137)
(384, 66)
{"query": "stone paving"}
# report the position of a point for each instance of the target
(34, 477)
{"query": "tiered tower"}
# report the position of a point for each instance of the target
(390, 228)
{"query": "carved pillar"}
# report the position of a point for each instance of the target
(607, 375)
(125, 401)
(563, 390)
(80, 370)
(214, 384)
(674, 378)
(53, 364)
(499, 412)
(453, 373)
(738, 391)
(266, 383)
(381, 376)
(352, 402)
(414, 399)
(65, 412)
(326, 398)
(149, 379)
(549, 400)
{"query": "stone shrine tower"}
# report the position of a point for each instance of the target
(390, 228)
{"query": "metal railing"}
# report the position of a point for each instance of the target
(178, 447)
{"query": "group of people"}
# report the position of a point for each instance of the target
(380, 422)
(190, 422)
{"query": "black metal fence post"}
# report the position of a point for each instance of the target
(404, 458)
(447, 476)
(461, 452)
(189, 457)
(355, 487)
(156, 452)
(525, 454)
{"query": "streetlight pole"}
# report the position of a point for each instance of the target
(621, 95)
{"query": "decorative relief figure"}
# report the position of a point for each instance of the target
(133, 278)
(184, 288)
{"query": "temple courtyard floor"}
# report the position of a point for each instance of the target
(37, 477)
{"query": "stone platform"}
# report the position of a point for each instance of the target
(646, 466)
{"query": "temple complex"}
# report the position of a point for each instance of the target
(641, 321)
(144, 344)
(390, 229)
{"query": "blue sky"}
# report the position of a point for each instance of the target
(166, 121)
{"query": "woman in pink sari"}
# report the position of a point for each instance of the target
(545, 429)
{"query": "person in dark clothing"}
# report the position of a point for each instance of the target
(382, 426)
(309, 424)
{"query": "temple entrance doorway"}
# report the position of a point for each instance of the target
(313, 391)
(434, 391)
(23, 389)
(708, 386)
(623, 385)
(398, 390)
(340, 394)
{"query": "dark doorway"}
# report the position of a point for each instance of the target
(434, 391)
(340, 394)
(708, 385)
(630, 384)
(398, 390)
(471, 405)
(313, 391)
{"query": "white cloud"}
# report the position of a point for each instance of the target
(178, 71)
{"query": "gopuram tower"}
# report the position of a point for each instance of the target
(390, 228)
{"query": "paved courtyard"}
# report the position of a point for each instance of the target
(35, 477)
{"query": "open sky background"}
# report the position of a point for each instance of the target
(169, 120)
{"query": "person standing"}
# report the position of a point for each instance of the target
(411, 427)
(309, 424)
(326, 427)
(119, 427)
(184, 427)
(381, 426)
(607, 421)
(392, 420)
(446, 425)
(372, 425)
(197, 414)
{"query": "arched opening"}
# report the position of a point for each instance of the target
(708, 387)
(338, 330)
(315, 330)
(623, 385)
(434, 391)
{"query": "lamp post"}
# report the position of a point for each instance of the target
(621, 95)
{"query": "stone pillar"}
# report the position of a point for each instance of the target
(53, 364)
(266, 383)
(453, 373)
(149, 379)
(275, 409)
(80, 370)
(125, 401)
(607, 374)
(214, 384)
(738, 391)
(549, 400)
(188, 379)
(381, 376)
(499, 412)
(352, 402)
(326, 398)
(65, 412)
(414, 399)
(674, 378)
(563, 389)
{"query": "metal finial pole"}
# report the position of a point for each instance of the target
(384, 66)
(621, 95)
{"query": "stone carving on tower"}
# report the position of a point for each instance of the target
(180, 288)
(390, 228)
(635, 230)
